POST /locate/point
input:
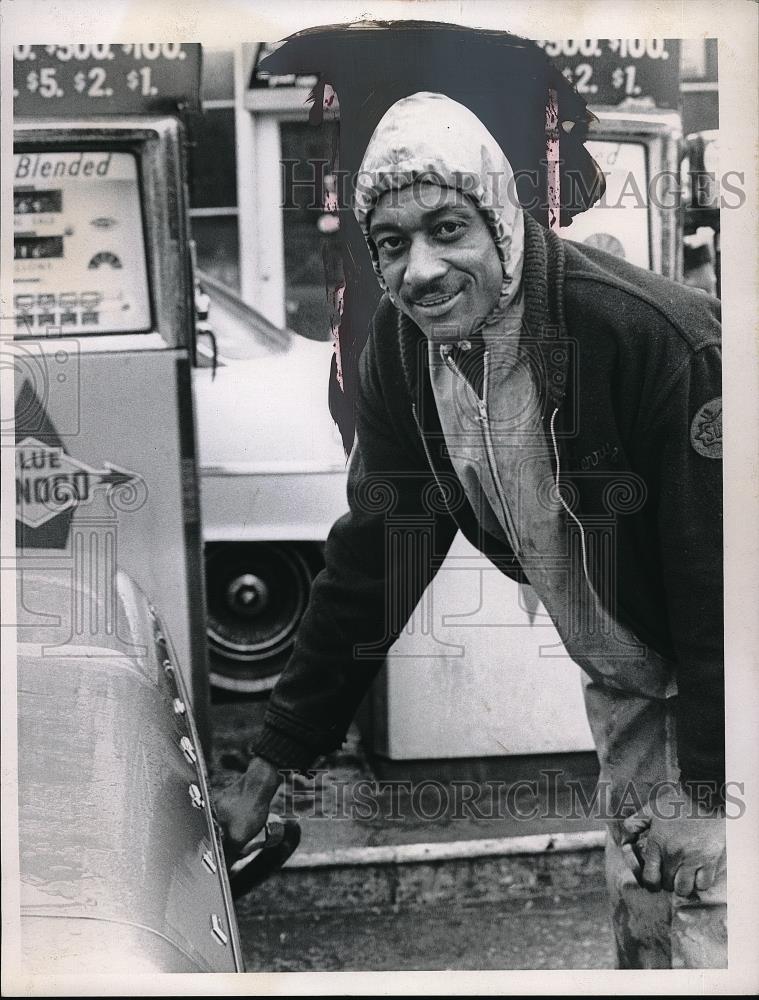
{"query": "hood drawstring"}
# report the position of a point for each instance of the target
(557, 482)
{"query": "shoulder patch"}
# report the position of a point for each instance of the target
(706, 429)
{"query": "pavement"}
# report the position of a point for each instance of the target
(423, 869)
(573, 935)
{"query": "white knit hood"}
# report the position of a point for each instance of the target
(431, 137)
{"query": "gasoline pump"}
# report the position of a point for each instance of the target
(121, 864)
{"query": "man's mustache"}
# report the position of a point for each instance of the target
(419, 293)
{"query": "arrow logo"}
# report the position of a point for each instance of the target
(50, 482)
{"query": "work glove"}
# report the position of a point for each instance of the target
(677, 844)
(242, 807)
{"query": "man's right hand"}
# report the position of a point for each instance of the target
(243, 806)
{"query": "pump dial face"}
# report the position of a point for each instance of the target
(80, 260)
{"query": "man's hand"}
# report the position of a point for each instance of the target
(243, 806)
(684, 848)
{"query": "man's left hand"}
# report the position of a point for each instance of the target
(684, 850)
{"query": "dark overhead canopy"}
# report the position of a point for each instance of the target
(502, 78)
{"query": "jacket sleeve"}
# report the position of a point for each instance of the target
(686, 456)
(379, 558)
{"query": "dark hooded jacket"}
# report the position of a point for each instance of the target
(632, 362)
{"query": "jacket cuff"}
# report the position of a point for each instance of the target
(708, 791)
(704, 778)
(701, 744)
(282, 750)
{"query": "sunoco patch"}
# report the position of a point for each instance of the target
(706, 429)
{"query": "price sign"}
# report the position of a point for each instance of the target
(88, 79)
(612, 70)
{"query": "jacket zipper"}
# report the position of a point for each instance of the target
(482, 407)
(557, 481)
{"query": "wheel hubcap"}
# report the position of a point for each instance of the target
(247, 595)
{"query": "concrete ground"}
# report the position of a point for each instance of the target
(573, 935)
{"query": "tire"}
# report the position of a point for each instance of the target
(256, 593)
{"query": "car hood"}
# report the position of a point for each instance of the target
(269, 412)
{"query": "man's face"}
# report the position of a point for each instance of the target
(437, 257)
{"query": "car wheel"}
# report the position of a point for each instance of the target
(257, 593)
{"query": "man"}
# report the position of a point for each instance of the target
(500, 357)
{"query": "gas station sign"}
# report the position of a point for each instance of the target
(88, 79)
(610, 71)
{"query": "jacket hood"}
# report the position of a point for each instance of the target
(431, 137)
